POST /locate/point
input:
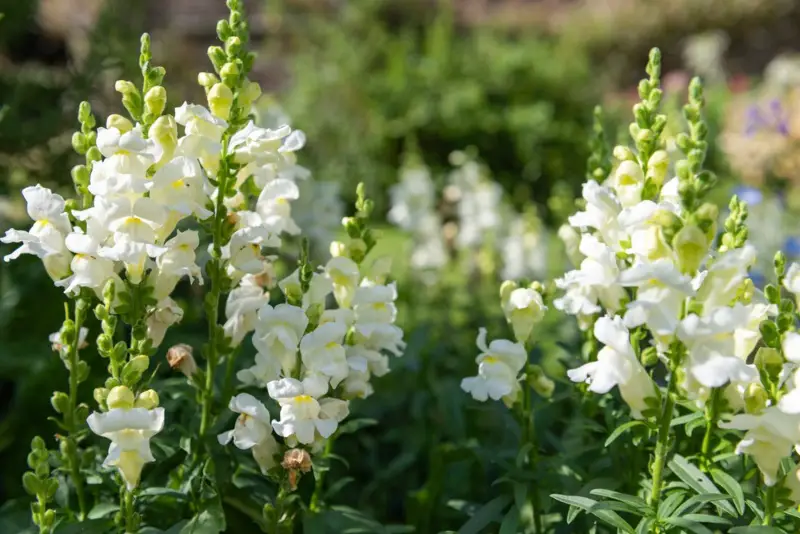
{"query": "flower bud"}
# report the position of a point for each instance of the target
(100, 395)
(120, 397)
(220, 99)
(119, 122)
(505, 290)
(357, 249)
(296, 461)
(649, 357)
(207, 80)
(147, 400)
(657, 166)
(540, 382)
(165, 132)
(249, 93)
(338, 249)
(755, 398)
(233, 45)
(60, 402)
(229, 74)
(31, 483)
(139, 363)
(691, 246)
(180, 357)
(93, 154)
(155, 100)
(217, 56)
(48, 518)
(623, 153)
(770, 361)
(80, 175)
(79, 143)
(125, 87)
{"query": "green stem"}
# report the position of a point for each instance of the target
(72, 422)
(711, 424)
(769, 505)
(319, 484)
(529, 437)
(127, 507)
(662, 443)
(247, 510)
(227, 386)
(212, 300)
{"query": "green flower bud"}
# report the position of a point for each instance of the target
(691, 246)
(755, 398)
(220, 99)
(229, 74)
(31, 483)
(233, 45)
(623, 153)
(125, 87)
(217, 56)
(120, 397)
(540, 382)
(82, 371)
(79, 143)
(38, 444)
(100, 395)
(111, 383)
(155, 100)
(60, 402)
(67, 447)
(223, 30)
(48, 518)
(649, 357)
(119, 122)
(357, 249)
(207, 80)
(93, 155)
(139, 363)
(147, 400)
(80, 175)
(770, 361)
(82, 412)
(249, 93)
(165, 132)
(657, 166)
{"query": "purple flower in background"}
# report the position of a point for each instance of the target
(752, 196)
(772, 118)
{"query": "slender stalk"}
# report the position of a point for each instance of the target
(529, 436)
(247, 510)
(72, 422)
(662, 443)
(769, 505)
(213, 298)
(127, 510)
(711, 423)
(319, 483)
(227, 385)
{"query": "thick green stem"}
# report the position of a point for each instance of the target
(127, 510)
(711, 423)
(227, 385)
(769, 505)
(319, 484)
(529, 438)
(72, 420)
(662, 443)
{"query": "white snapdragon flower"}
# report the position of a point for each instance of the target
(264, 370)
(181, 186)
(661, 292)
(274, 206)
(343, 274)
(374, 303)
(791, 280)
(318, 290)
(628, 183)
(179, 257)
(166, 313)
(89, 269)
(303, 415)
(770, 436)
(246, 245)
(616, 365)
(58, 344)
(129, 430)
(720, 285)
(412, 196)
(595, 284)
(323, 353)
(46, 237)
(139, 219)
(712, 359)
(252, 431)
(135, 255)
(241, 309)
(747, 336)
(278, 332)
(572, 242)
(380, 337)
(499, 365)
(523, 309)
(602, 210)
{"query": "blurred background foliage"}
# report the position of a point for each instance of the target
(370, 82)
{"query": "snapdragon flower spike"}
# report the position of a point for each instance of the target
(305, 416)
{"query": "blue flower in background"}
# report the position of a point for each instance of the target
(758, 278)
(792, 247)
(752, 196)
(773, 118)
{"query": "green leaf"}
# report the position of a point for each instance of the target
(485, 515)
(95, 526)
(644, 525)
(102, 510)
(510, 524)
(636, 502)
(618, 507)
(670, 503)
(210, 521)
(699, 500)
(697, 480)
(755, 529)
(688, 418)
(337, 486)
(689, 525)
(355, 425)
(731, 487)
(613, 519)
(621, 429)
(163, 492)
(586, 504)
(706, 518)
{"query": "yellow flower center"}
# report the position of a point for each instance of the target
(303, 399)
